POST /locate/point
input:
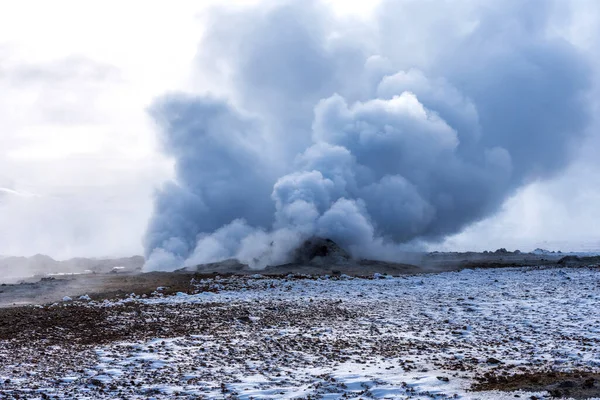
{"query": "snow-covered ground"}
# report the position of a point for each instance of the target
(428, 336)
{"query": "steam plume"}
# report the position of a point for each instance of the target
(371, 134)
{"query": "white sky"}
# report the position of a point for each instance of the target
(78, 159)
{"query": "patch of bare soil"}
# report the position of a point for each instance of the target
(97, 286)
(577, 385)
(69, 324)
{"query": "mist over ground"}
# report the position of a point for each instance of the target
(323, 126)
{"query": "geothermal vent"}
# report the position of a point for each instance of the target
(321, 252)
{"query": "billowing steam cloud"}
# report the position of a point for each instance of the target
(369, 135)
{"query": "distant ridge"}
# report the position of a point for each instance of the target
(40, 264)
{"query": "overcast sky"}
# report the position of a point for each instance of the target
(79, 159)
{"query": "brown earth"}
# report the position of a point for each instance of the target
(577, 384)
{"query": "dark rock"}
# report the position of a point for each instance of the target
(96, 382)
(320, 251)
(566, 260)
(566, 384)
(589, 383)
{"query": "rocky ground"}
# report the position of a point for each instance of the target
(113, 277)
(474, 334)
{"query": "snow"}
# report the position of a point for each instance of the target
(535, 310)
(580, 253)
(421, 337)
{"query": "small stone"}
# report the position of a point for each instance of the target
(588, 383)
(567, 384)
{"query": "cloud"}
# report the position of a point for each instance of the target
(76, 178)
(69, 225)
(67, 91)
(399, 135)
(75, 81)
(67, 69)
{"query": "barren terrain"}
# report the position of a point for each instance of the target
(485, 333)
